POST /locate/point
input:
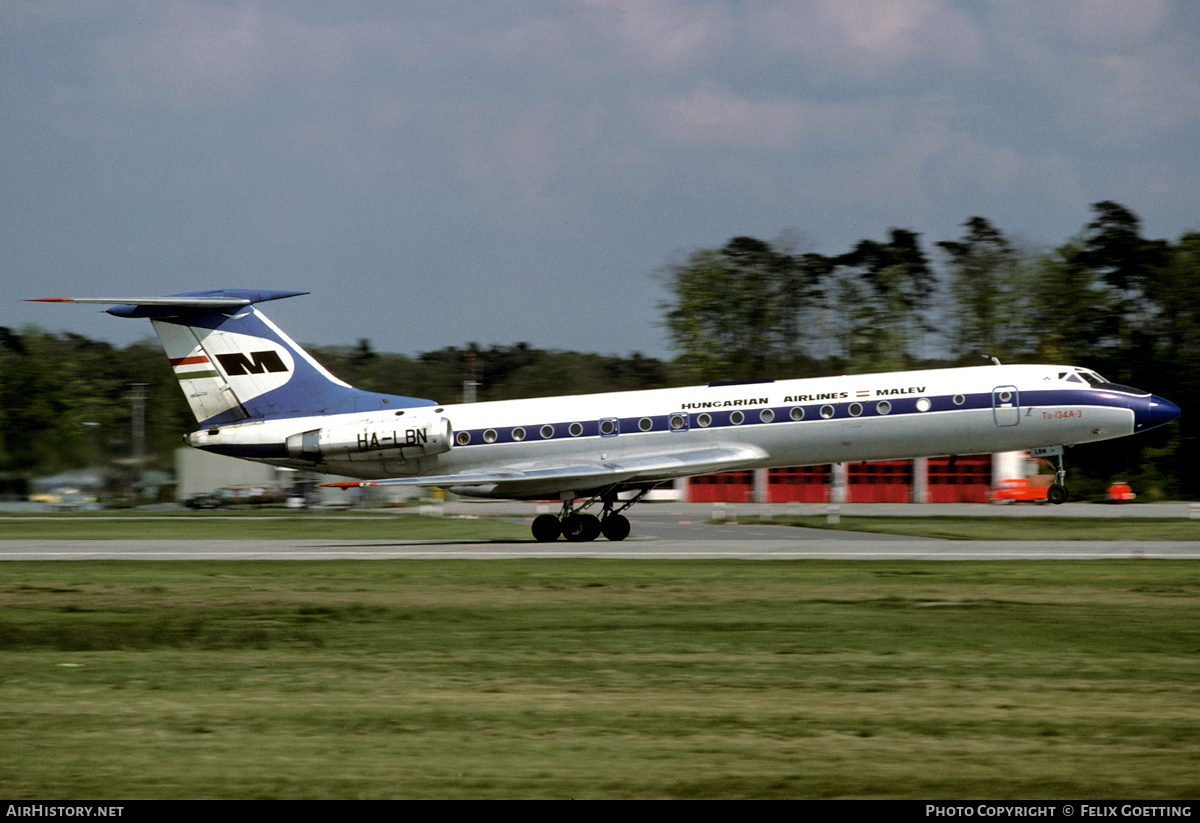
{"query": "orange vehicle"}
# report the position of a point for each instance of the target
(1120, 493)
(1022, 489)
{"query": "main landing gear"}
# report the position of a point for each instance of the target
(580, 527)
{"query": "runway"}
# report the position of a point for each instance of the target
(647, 549)
(680, 533)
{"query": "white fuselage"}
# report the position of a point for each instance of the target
(770, 423)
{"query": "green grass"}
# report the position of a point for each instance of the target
(1001, 528)
(599, 678)
(263, 526)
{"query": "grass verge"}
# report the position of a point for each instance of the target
(950, 527)
(271, 526)
(599, 678)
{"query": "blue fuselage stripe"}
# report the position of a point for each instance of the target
(781, 414)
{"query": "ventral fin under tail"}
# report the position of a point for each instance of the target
(234, 364)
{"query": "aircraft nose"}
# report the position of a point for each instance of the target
(1155, 411)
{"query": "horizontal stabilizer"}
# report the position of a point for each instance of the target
(178, 305)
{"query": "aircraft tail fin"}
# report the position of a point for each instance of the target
(234, 364)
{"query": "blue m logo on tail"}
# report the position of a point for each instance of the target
(256, 362)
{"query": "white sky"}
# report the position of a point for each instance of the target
(442, 172)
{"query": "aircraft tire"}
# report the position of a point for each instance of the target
(615, 527)
(546, 528)
(1057, 494)
(580, 528)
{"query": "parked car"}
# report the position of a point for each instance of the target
(239, 496)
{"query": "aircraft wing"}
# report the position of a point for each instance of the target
(542, 479)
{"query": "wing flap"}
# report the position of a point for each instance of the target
(542, 479)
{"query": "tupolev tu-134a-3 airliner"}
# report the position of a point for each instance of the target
(259, 396)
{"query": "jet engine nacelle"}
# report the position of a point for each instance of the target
(408, 438)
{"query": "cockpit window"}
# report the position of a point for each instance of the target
(1098, 382)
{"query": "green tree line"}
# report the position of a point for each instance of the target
(1109, 299)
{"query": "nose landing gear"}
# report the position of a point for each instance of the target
(1057, 493)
